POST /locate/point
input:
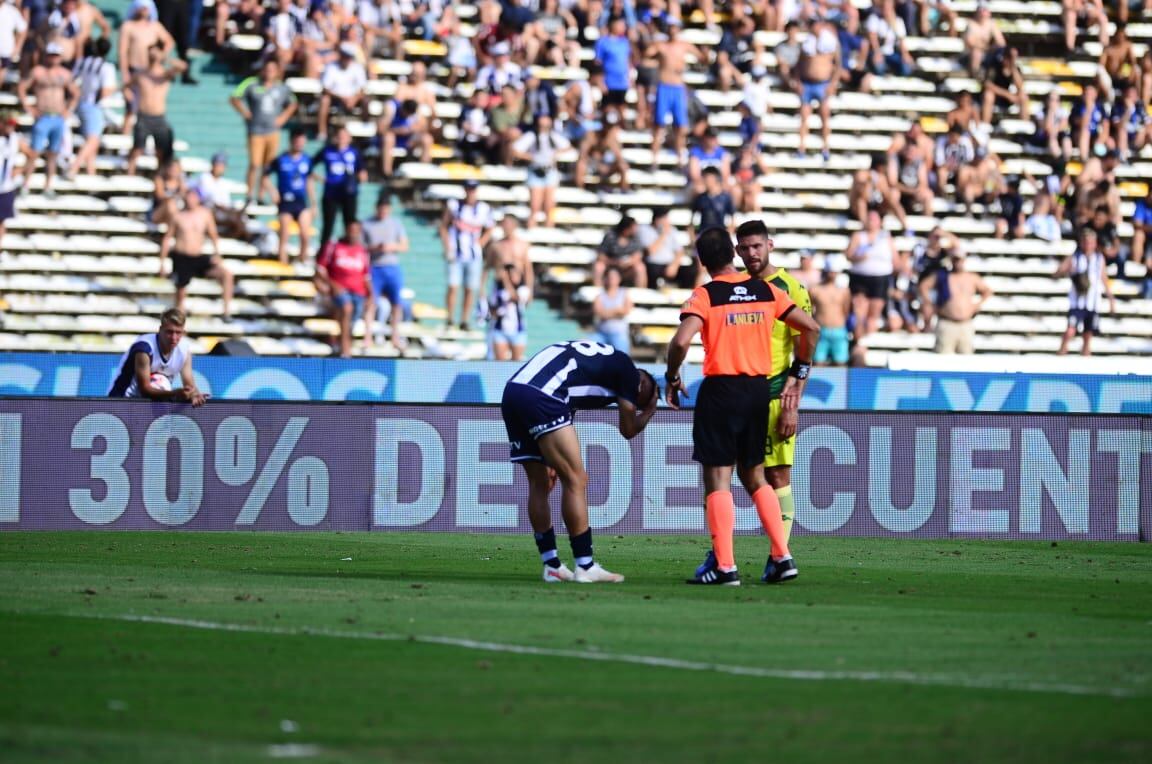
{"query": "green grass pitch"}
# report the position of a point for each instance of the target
(237, 647)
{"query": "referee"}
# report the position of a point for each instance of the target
(734, 314)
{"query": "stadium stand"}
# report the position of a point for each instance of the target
(78, 269)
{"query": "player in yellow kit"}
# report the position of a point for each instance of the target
(754, 245)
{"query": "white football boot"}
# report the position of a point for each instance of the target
(596, 575)
(557, 575)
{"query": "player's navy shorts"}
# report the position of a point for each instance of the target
(292, 207)
(730, 424)
(528, 414)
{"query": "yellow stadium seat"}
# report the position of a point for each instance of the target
(325, 327)
(305, 290)
(425, 48)
(271, 267)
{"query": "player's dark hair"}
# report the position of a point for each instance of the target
(645, 374)
(711, 171)
(296, 132)
(714, 248)
(751, 228)
(173, 316)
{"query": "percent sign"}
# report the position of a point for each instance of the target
(307, 489)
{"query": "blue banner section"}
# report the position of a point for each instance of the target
(412, 381)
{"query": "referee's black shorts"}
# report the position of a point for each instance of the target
(730, 424)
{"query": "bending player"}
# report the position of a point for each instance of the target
(735, 315)
(538, 406)
(165, 354)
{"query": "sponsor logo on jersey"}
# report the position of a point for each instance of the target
(745, 319)
(740, 294)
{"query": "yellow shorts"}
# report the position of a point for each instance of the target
(778, 452)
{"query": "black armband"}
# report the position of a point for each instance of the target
(800, 370)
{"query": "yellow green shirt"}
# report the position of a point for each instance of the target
(782, 334)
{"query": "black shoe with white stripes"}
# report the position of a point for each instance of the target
(716, 577)
(779, 571)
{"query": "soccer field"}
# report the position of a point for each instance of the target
(232, 647)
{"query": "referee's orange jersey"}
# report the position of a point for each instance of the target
(738, 313)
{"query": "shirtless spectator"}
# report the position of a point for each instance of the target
(90, 16)
(982, 181)
(138, 35)
(1117, 65)
(671, 107)
(831, 307)
(817, 78)
(1004, 85)
(184, 242)
(508, 261)
(872, 189)
(953, 297)
(151, 87)
(342, 86)
(964, 114)
(417, 87)
(1095, 183)
(1085, 13)
(56, 96)
(981, 37)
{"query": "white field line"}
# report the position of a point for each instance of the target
(964, 681)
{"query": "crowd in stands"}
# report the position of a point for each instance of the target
(539, 80)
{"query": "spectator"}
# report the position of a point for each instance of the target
(265, 104)
(1124, 7)
(293, 194)
(817, 78)
(344, 276)
(745, 171)
(954, 154)
(663, 254)
(611, 309)
(1108, 239)
(539, 148)
(708, 153)
(872, 254)
(56, 95)
(808, 274)
(855, 55)
(214, 191)
(1141, 250)
(958, 294)
(1144, 76)
(929, 255)
(1085, 268)
(167, 193)
(510, 294)
(1010, 219)
(402, 126)
(465, 229)
(150, 92)
(713, 207)
(383, 25)
(901, 315)
(1004, 85)
(983, 182)
(1051, 133)
(671, 106)
(964, 114)
(579, 103)
(1042, 223)
(242, 13)
(386, 240)
(831, 307)
(473, 129)
(1117, 65)
(13, 33)
(737, 51)
(539, 99)
(11, 179)
(282, 42)
(342, 88)
(96, 80)
(933, 15)
(501, 73)
(980, 38)
(550, 38)
(344, 171)
(184, 241)
(1086, 13)
(787, 54)
(63, 28)
(1088, 120)
(173, 16)
(606, 153)
(621, 249)
(908, 175)
(504, 122)
(319, 39)
(872, 188)
(1095, 183)
(886, 34)
(1130, 123)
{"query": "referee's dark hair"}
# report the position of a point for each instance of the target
(751, 228)
(714, 248)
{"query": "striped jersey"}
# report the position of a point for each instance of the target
(782, 334)
(93, 74)
(124, 385)
(1088, 269)
(739, 314)
(9, 153)
(582, 374)
(469, 222)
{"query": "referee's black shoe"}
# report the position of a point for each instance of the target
(715, 577)
(779, 571)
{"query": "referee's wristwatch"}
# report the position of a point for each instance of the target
(672, 379)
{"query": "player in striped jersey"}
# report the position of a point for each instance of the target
(163, 354)
(754, 245)
(538, 405)
(11, 177)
